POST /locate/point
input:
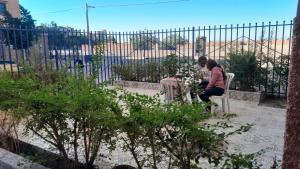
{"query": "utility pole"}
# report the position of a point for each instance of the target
(88, 27)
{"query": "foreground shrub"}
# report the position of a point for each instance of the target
(11, 103)
(175, 135)
(71, 114)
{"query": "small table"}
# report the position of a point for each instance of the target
(173, 87)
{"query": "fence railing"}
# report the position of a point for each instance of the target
(145, 55)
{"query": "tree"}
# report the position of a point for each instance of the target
(291, 155)
(143, 41)
(18, 38)
(171, 42)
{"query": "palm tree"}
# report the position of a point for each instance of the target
(291, 156)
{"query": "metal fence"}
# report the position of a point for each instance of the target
(140, 55)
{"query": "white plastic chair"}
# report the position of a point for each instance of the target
(225, 96)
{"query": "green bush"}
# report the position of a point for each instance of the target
(76, 117)
(176, 134)
(171, 65)
(67, 112)
(148, 72)
(247, 70)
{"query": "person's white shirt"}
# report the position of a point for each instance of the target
(203, 72)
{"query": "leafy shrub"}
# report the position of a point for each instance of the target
(129, 72)
(148, 72)
(171, 65)
(72, 114)
(176, 134)
(11, 102)
(248, 73)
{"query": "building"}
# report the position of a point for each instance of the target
(12, 6)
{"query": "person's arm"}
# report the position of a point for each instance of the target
(214, 77)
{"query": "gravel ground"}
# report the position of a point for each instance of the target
(266, 134)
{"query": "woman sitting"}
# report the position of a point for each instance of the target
(216, 84)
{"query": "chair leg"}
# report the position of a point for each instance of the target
(228, 104)
(223, 105)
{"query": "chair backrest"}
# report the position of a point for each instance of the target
(229, 78)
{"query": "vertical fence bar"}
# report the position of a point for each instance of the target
(27, 45)
(81, 53)
(243, 38)
(75, 54)
(198, 43)
(97, 52)
(255, 38)
(16, 50)
(109, 72)
(214, 42)
(175, 43)
(255, 44)
(289, 51)
(184, 57)
(209, 29)
(84, 51)
(109, 52)
(145, 58)
(21, 43)
(9, 52)
(159, 55)
(268, 55)
(167, 45)
(61, 34)
(249, 37)
(65, 47)
(261, 52)
(225, 50)
(237, 38)
(69, 62)
(102, 52)
(179, 39)
(231, 38)
(138, 36)
(193, 44)
(220, 43)
(55, 48)
(274, 58)
(281, 53)
(125, 61)
(188, 52)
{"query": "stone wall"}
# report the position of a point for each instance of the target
(10, 160)
(233, 94)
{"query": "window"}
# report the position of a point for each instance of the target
(2, 8)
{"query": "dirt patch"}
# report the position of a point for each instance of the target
(276, 102)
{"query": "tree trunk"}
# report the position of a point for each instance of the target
(291, 156)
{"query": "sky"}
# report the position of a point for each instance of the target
(112, 15)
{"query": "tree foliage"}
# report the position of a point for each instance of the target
(20, 39)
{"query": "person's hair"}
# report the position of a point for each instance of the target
(212, 63)
(202, 58)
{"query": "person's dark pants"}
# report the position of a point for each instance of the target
(201, 86)
(215, 91)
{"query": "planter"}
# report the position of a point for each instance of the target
(134, 84)
(10, 160)
(42, 156)
(246, 96)
(124, 167)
